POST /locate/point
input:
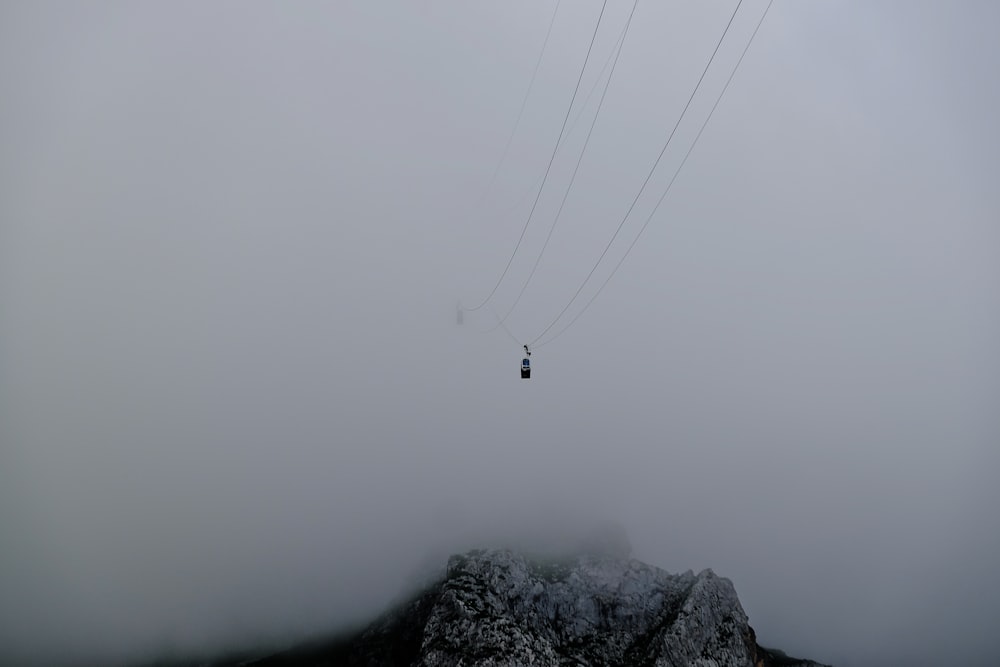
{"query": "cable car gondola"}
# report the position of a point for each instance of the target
(526, 364)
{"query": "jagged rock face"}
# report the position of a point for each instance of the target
(500, 609)
(497, 608)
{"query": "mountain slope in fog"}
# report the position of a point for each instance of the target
(501, 608)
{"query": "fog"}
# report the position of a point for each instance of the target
(235, 405)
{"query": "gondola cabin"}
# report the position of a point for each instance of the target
(525, 368)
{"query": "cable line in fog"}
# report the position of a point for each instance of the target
(576, 169)
(597, 81)
(669, 184)
(645, 182)
(612, 58)
(524, 103)
(555, 149)
(500, 324)
(576, 119)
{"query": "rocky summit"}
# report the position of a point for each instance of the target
(500, 608)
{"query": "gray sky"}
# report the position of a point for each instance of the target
(234, 403)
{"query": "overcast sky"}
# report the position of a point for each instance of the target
(235, 405)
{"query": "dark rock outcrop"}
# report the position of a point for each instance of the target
(498, 608)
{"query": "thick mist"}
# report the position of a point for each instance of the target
(235, 405)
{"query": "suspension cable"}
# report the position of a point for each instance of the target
(549, 168)
(669, 185)
(524, 103)
(576, 169)
(501, 324)
(645, 182)
(600, 76)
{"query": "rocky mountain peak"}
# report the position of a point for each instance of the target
(503, 608)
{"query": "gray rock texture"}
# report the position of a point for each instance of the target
(498, 608)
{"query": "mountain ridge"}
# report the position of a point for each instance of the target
(501, 608)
